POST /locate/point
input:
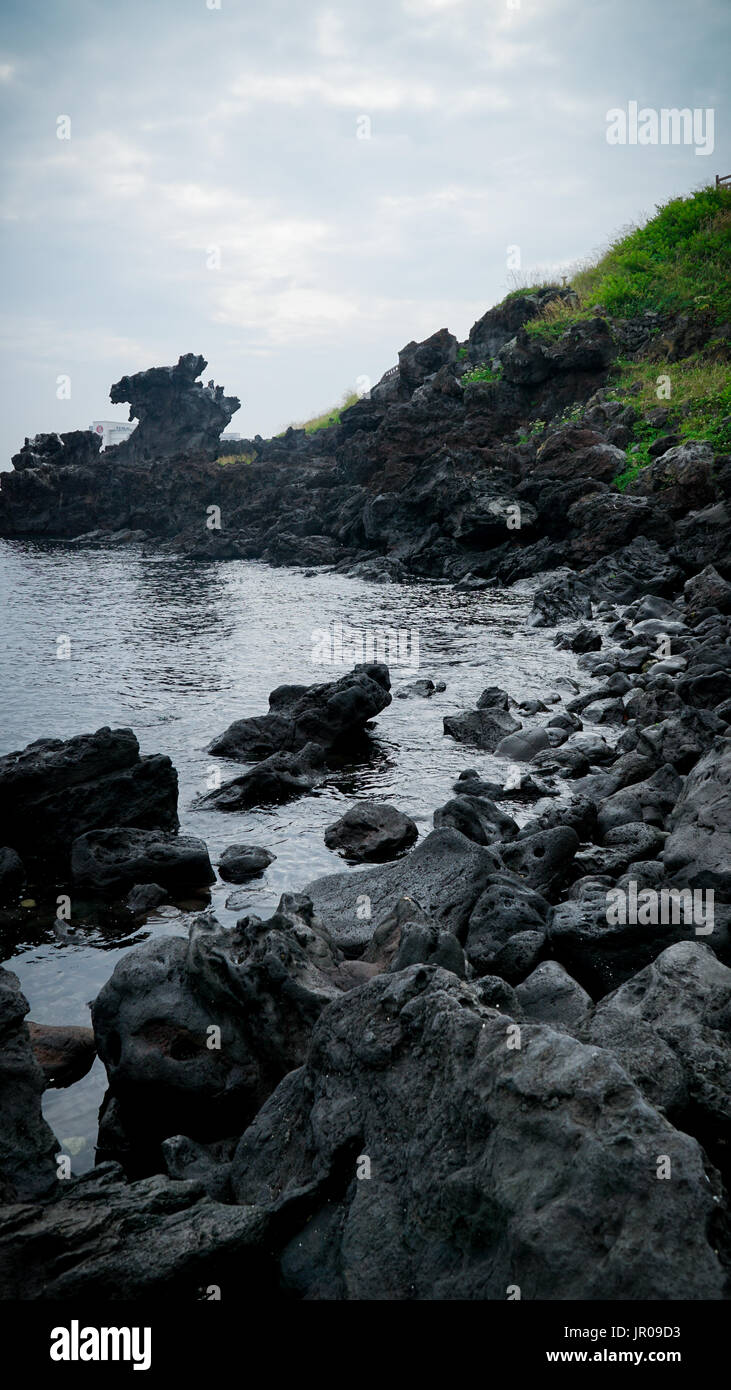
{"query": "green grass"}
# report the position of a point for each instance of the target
(328, 418)
(679, 262)
(482, 373)
(699, 402)
(226, 459)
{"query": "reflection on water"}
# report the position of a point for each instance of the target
(177, 650)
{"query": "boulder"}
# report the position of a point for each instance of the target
(681, 739)
(696, 853)
(505, 909)
(300, 714)
(549, 995)
(444, 874)
(113, 861)
(681, 1002)
(708, 590)
(261, 985)
(55, 790)
(543, 860)
(408, 936)
(106, 1239)
(490, 1165)
(521, 747)
(371, 831)
(238, 863)
(649, 800)
(275, 780)
(481, 728)
(27, 1145)
(65, 1053)
(562, 599)
(145, 897)
(477, 818)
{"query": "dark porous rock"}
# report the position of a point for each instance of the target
(681, 1001)
(481, 728)
(371, 831)
(560, 600)
(543, 860)
(279, 778)
(444, 874)
(651, 800)
(526, 787)
(413, 1071)
(175, 411)
(108, 1239)
(697, 850)
(76, 447)
(496, 993)
(708, 590)
(407, 936)
(241, 862)
(601, 946)
(520, 955)
(643, 840)
(622, 846)
(262, 985)
(12, 876)
(579, 814)
(493, 697)
(27, 1145)
(609, 711)
(617, 684)
(54, 790)
(521, 747)
(505, 909)
(478, 818)
(639, 568)
(641, 1052)
(208, 1165)
(113, 861)
(575, 452)
(145, 897)
(584, 639)
(568, 761)
(549, 995)
(302, 714)
(703, 537)
(681, 739)
(64, 1053)
(423, 688)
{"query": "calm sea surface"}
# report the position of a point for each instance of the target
(176, 650)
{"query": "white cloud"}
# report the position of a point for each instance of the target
(330, 35)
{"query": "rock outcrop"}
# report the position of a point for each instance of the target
(175, 411)
(55, 790)
(418, 1155)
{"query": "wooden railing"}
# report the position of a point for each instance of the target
(723, 180)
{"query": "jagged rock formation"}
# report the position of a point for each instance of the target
(56, 790)
(175, 411)
(488, 1167)
(262, 985)
(480, 482)
(27, 1144)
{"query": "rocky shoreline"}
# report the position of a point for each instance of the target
(495, 1058)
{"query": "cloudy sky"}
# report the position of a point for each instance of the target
(217, 194)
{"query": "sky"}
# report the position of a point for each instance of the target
(297, 189)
